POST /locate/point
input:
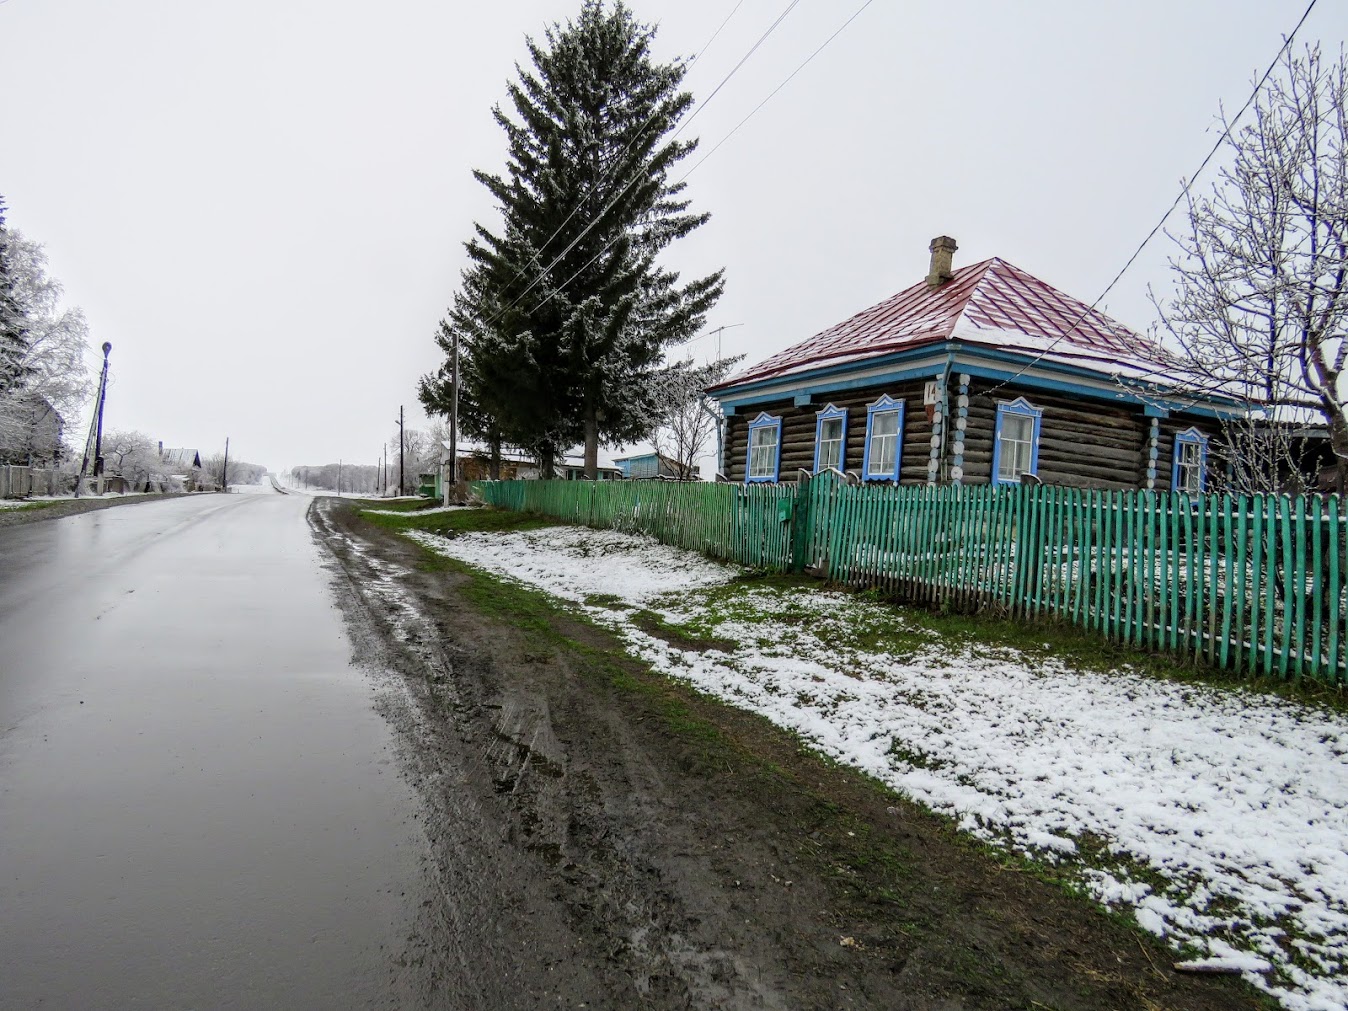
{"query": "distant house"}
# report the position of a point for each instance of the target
(475, 463)
(573, 469)
(185, 464)
(980, 375)
(650, 465)
(182, 459)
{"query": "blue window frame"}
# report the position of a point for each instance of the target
(830, 439)
(1015, 444)
(1189, 469)
(764, 456)
(884, 440)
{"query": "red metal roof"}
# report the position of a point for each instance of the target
(993, 304)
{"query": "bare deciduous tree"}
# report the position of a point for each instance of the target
(1260, 303)
(691, 418)
(134, 456)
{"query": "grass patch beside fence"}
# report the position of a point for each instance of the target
(459, 521)
(1256, 584)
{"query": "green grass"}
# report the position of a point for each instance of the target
(27, 507)
(895, 628)
(458, 521)
(397, 505)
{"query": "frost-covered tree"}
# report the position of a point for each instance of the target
(569, 312)
(42, 346)
(1261, 301)
(134, 456)
(692, 418)
(13, 324)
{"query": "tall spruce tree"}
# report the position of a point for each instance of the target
(570, 314)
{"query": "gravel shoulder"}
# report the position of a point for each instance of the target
(605, 835)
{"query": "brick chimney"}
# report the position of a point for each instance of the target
(942, 250)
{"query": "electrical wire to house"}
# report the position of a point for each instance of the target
(790, 77)
(1184, 192)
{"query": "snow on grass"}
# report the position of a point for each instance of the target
(577, 564)
(405, 513)
(1219, 818)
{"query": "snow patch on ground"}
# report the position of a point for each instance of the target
(1219, 818)
(577, 564)
(418, 512)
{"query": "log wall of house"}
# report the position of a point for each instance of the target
(1165, 446)
(798, 431)
(1082, 443)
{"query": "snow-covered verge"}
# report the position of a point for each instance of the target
(1218, 817)
(417, 512)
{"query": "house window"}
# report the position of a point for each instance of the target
(1189, 472)
(829, 434)
(1015, 451)
(765, 449)
(884, 437)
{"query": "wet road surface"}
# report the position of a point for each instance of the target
(199, 804)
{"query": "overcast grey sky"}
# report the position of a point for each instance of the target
(261, 203)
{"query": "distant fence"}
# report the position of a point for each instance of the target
(20, 482)
(1253, 583)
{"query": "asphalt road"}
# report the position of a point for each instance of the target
(199, 804)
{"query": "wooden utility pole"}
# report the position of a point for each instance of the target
(339, 475)
(224, 469)
(454, 425)
(93, 446)
(402, 446)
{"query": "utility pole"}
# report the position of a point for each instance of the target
(339, 475)
(224, 470)
(454, 425)
(402, 448)
(93, 446)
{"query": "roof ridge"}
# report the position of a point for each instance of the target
(992, 302)
(986, 271)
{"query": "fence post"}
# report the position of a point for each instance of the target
(801, 523)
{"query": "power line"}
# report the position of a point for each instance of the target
(1183, 193)
(779, 87)
(714, 34)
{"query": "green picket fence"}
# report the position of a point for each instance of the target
(1248, 583)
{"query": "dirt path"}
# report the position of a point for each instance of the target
(608, 838)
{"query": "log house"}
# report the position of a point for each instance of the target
(979, 375)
